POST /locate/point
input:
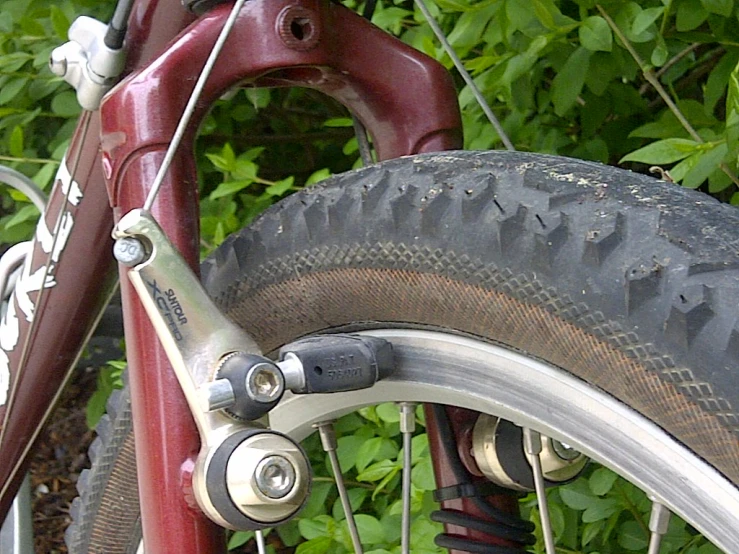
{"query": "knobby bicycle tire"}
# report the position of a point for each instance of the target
(629, 283)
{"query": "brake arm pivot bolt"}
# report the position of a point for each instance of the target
(129, 251)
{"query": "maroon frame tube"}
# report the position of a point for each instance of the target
(407, 102)
(84, 274)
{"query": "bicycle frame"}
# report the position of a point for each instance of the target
(408, 105)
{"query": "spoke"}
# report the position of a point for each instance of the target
(532, 446)
(407, 427)
(261, 547)
(658, 522)
(328, 441)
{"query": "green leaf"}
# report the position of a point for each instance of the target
(601, 481)
(422, 475)
(720, 7)
(317, 176)
(229, 188)
(718, 181)
(240, 538)
(59, 22)
(280, 187)
(319, 526)
(15, 144)
(659, 54)
(95, 407)
(347, 451)
(11, 89)
(10, 63)
(625, 19)
(339, 122)
(690, 15)
(388, 412)
(244, 169)
(423, 532)
(356, 496)
(577, 495)
(600, 509)
(709, 160)
(317, 500)
(369, 527)
(645, 19)
(569, 81)
(591, 531)
(378, 470)
(251, 154)
(663, 151)
(319, 545)
(520, 14)
(40, 88)
(289, 532)
(632, 537)
(544, 15)
(716, 85)
(595, 34)
(44, 175)
(26, 213)
(386, 481)
(65, 104)
(225, 160)
(259, 97)
(391, 19)
(367, 452)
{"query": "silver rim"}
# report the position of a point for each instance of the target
(441, 368)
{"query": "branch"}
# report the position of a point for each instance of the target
(29, 160)
(652, 80)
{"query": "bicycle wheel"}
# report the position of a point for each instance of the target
(592, 304)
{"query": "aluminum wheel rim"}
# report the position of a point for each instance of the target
(448, 369)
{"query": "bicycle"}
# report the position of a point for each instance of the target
(469, 253)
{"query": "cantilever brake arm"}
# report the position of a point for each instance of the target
(194, 333)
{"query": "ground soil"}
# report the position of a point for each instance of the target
(59, 459)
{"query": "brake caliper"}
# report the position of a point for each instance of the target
(246, 477)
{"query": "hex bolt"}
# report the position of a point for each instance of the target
(264, 383)
(275, 477)
(129, 251)
(58, 63)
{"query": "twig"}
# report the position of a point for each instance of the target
(652, 80)
(29, 160)
(672, 61)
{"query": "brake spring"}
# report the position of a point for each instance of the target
(501, 524)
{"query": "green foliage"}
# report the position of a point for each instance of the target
(370, 455)
(600, 512)
(108, 379)
(576, 78)
(35, 105)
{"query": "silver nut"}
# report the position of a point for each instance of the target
(58, 63)
(129, 251)
(264, 383)
(275, 477)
